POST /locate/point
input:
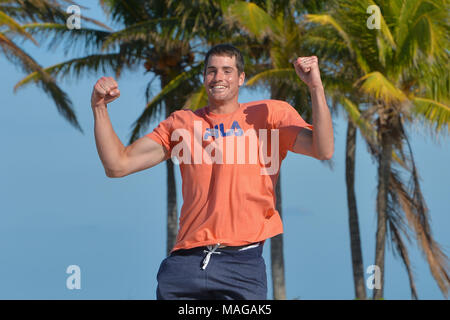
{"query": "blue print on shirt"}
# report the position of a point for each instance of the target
(219, 131)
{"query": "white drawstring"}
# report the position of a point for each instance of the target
(250, 246)
(212, 250)
(209, 252)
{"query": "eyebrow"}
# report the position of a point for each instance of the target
(225, 67)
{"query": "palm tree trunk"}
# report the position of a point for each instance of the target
(172, 212)
(355, 240)
(382, 203)
(277, 255)
(276, 243)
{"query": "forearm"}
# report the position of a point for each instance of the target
(323, 141)
(109, 146)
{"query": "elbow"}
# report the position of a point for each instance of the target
(118, 170)
(110, 174)
(325, 155)
(114, 173)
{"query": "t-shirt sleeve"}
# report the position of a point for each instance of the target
(289, 123)
(162, 133)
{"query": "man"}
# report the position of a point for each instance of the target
(228, 176)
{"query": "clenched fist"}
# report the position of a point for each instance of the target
(307, 68)
(105, 91)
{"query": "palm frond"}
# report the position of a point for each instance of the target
(197, 100)
(46, 82)
(416, 212)
(274, 75)
(398, 229)
(251, 18)
(44, 10)
(384, 28)
(326, 19)
(421, 32)
(126, 11)
(75, 67)
(365, 127)
(59, 35)
(379, 87)
(34, 10)
(162, 30)
(325, 45)
(436, 113)
(15, 27)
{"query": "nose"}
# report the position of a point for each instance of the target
(219, 75)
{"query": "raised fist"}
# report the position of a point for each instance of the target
(105, 91)
(307, 68)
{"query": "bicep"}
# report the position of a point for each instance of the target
(304, 143)
(142, 154)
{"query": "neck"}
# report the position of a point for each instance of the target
(223, 107)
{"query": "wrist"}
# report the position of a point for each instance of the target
(99, 110)
(101, 105)
(318, 86)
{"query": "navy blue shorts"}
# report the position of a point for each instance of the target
(229, 274)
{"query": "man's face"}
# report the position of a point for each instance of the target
(221, 78)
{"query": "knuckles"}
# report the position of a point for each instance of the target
(105, 84)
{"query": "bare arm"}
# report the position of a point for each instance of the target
(317, 143)
(118, 160)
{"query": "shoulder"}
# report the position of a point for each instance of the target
(271, 110)
(271, 107)
(183, 118)
(271, 104)
(183, 114)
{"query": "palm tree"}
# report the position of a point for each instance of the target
(339, 72)
(275, 27)
(402, 76)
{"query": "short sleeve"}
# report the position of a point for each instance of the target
(289, 123)
(162, 133)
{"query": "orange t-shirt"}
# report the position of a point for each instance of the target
(229, 167)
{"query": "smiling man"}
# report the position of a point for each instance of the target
(223, 76)
(228, 206)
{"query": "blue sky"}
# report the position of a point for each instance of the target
(57, 207)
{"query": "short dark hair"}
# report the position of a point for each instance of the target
(226, 50)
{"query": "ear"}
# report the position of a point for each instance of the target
(241, 79)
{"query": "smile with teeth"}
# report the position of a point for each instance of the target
(218, 87)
